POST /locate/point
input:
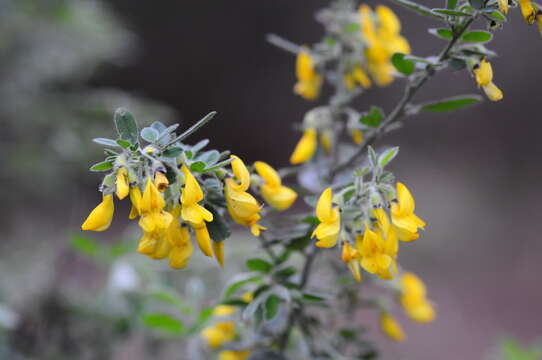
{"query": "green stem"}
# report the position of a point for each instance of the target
(192, 129)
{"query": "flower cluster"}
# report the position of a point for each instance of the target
(176, 200)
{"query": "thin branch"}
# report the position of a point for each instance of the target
(192, 129)
(283, 43)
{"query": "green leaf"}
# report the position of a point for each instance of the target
(149, 134)
(218, 229)
(420, 9)
(311, 220)
(450, 12)
(209, 157)
(84, 245)
(442, 33)
(126, 126)
(403, 65)
(299, 243)
(238, 281)
(204, 315)
(200, 145)
(106, 142)
(171, 298)
(497, 15)
(164, 323)
(312, 297)
(477, 36)
(102, 166)
(373, 160)
(198, 166)
(123, 143)
(451, 4)
(271, 306)
(451, 104)
(457, 64)
(387, 156)
(373, 118)
(257, 264)
(172, 152)
(285, 273)
(352, 27)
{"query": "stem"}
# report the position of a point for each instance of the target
(192, 129)
(283, 43)
(398, 111)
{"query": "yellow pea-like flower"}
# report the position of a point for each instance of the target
(191, 195)
(233, 355)
(179, 238)
(309, 81)
(357, 136)
(413, 299)
(483, 74)
(135, 198)
(161, 181)
(122, 186)
(391, 327)
(218, 252)
(224, 310)
(305, 148)
(100, 218)
(389, 23)
(405, 222)
(274, 193)
(351, 257)
(503, 6)
(378, 253)
(527, 10)
(219, 333)
(204, 240)
(327, 232)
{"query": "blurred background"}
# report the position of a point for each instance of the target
(65, 66)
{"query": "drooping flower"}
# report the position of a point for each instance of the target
(274, 193)
(413, 299)
(405, 222)
(391, 327)
(483, 73)
(527, 10)
(218, 252)
(327, 232)
(305, 148)
(309, 81)
(178, 237)
(122, 187)
(242, 206)
(503, 6)
(135, 199)
(219, 333)
(356, 76)
(351, 257)
(195, 214)
(100, 218)
(233, 355)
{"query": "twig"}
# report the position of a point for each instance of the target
(283, 43)
(398, 111)
(192, 129)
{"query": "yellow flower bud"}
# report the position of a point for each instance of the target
(483, 73)
(135, 199)
(357, 136)
(218, 252)
(527, 10)
(204, 240)
(309, 81)
(122, 187)
(327, 232)
(274, 193)
(391, 327)
(305, 148)
(100, 218)
(413, 299)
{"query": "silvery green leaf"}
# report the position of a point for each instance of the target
(200, 145)
(149, 134)
(126, 126)
(209, 157)
(387, 156)
(106, 142)
(102, 166)
(453, 103)
(239, 280)
(373, 160)
(172, 152)
(164, 323)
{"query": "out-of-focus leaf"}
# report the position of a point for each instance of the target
(451, 104)
(218, 229)
(164, 323)
(84, 245)
(239, 280)
(102, 166)
(126, 126)
(477, 36)
(149, 134)
(387, 156)
(106, 142)
(373, 118)
(271, 306)
(260, 265)
(402, 65)
(442, 33)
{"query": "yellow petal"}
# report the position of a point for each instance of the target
(135, 198)
(389, 22)
(483, 74)
(148, 243)
(305, 148)
(304, 65)
(152, 199)
(192, 192)
(204, 240)
(241, 173)
(233, 355)
(122, 187)
(268, 174)
(180, 255)
(160, 181)
(527, 10)
(324, 207)
(361, 77)
(327, 233)
(281, 197)
(162, 249)
(100, 218)
(196, 214)
(493, 92)
(218, 251)
(391, 327)
(366, 21)
(503, 6)
(224, 310)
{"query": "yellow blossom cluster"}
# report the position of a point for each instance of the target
(167, 226)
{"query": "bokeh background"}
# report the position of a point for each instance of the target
(66, 65)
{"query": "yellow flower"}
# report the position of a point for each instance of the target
(224, 310)
(378, 253)
(483, 74)
(326, 139)
(357, 136)
(539, 20)
(242, 206)
(161, 181)
(218, 252)
(327, 231)
(191, 195)
(233, 355)
(203, 238)
(135, 198)
(405, 222)
(351, 257)
(247, 297)
(382, 42)
(122, 187)
(178, 237)
(356, 76)
(413, 299)
(100, 218)
(219, 333)
(503, 6)
(309, 81)
(391, 327)
(527, 10)
(274, 193)
(305, 148)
